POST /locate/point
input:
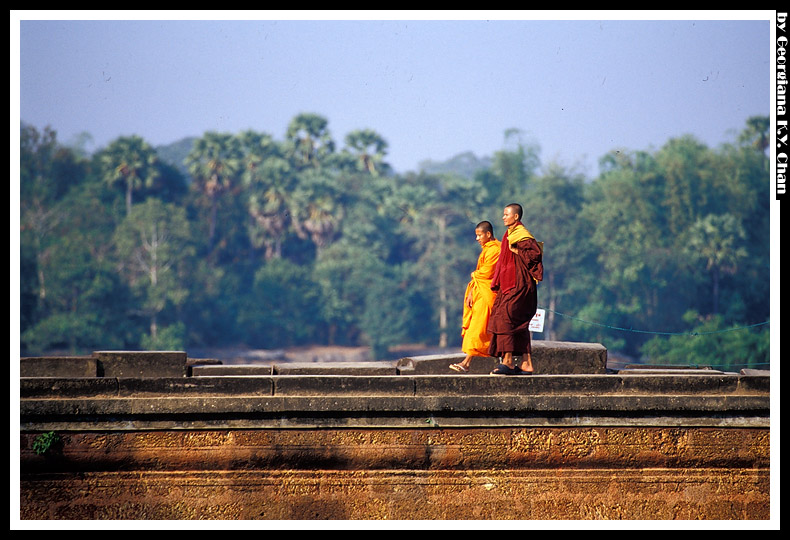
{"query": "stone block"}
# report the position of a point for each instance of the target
(335, 368)
(66, 387)
(195, 387)
(567, 357)
(232, 371)
(437, 364)
(696, 383)
(339, 385)
(548, 358)
(141, 363)
(755, 381)
(53, 366)
(525, 385)
(192, 363)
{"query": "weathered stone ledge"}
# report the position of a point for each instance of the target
(108, 364)
(549, 357)
(406, 386)
(426, 401)
(164, 390)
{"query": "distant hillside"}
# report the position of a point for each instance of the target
(175, 153)
(465, 164)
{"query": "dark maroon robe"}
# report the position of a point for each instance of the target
(514, 308)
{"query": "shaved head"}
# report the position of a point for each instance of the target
(516, 208)
(485, 226)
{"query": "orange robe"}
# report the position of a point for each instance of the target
(476, 339)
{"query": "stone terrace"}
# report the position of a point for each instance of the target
(157, 435)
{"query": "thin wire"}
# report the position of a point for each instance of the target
(657, 333)
(747, 364)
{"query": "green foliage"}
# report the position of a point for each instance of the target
(153, 248)
(247, 239)
(129, 162)
(45, 442)
(272, 312)
(169, 338)
(712, 343)
(308, 141)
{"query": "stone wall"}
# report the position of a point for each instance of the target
(525, 473)
(408, 445)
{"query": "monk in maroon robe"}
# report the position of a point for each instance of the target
(516, 277)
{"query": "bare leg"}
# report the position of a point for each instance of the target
(526, 362)
(463, 365)
(507, 359)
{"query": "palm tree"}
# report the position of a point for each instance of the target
(370, 149)
(309, 139)
(214, 163)
(131, 162)
(717, 240)
(756, 132)
(270, 186)
(268, 180)
(317, 208)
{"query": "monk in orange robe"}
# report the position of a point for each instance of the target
(478, 299)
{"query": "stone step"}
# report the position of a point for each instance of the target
(632, 384)
(548, 357)
(108, 364)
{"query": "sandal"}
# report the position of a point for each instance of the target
(502, 369)
(459, 368)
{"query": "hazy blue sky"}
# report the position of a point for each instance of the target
(430, 88)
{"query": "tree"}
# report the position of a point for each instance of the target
(153, 244)
(308, 140)
(48, 172)
(384, 319)
(280, 307)
(369, 148)
(716, 241)
(552, 214)
(513, 167)
(635, 258)
(441, 223)
(756, 133)
(687, 170)
(214, 163)
(130, 162)
(342, 273)
(712, 343)
(317, 208)
(86, 302)
(268, 199)
(361, 298)
(356, 255)
(744, 190)
(269, 180)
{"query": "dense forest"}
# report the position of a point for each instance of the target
(272, 242)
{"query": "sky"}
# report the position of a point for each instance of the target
(431, 84)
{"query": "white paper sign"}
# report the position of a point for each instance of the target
(536, 324)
